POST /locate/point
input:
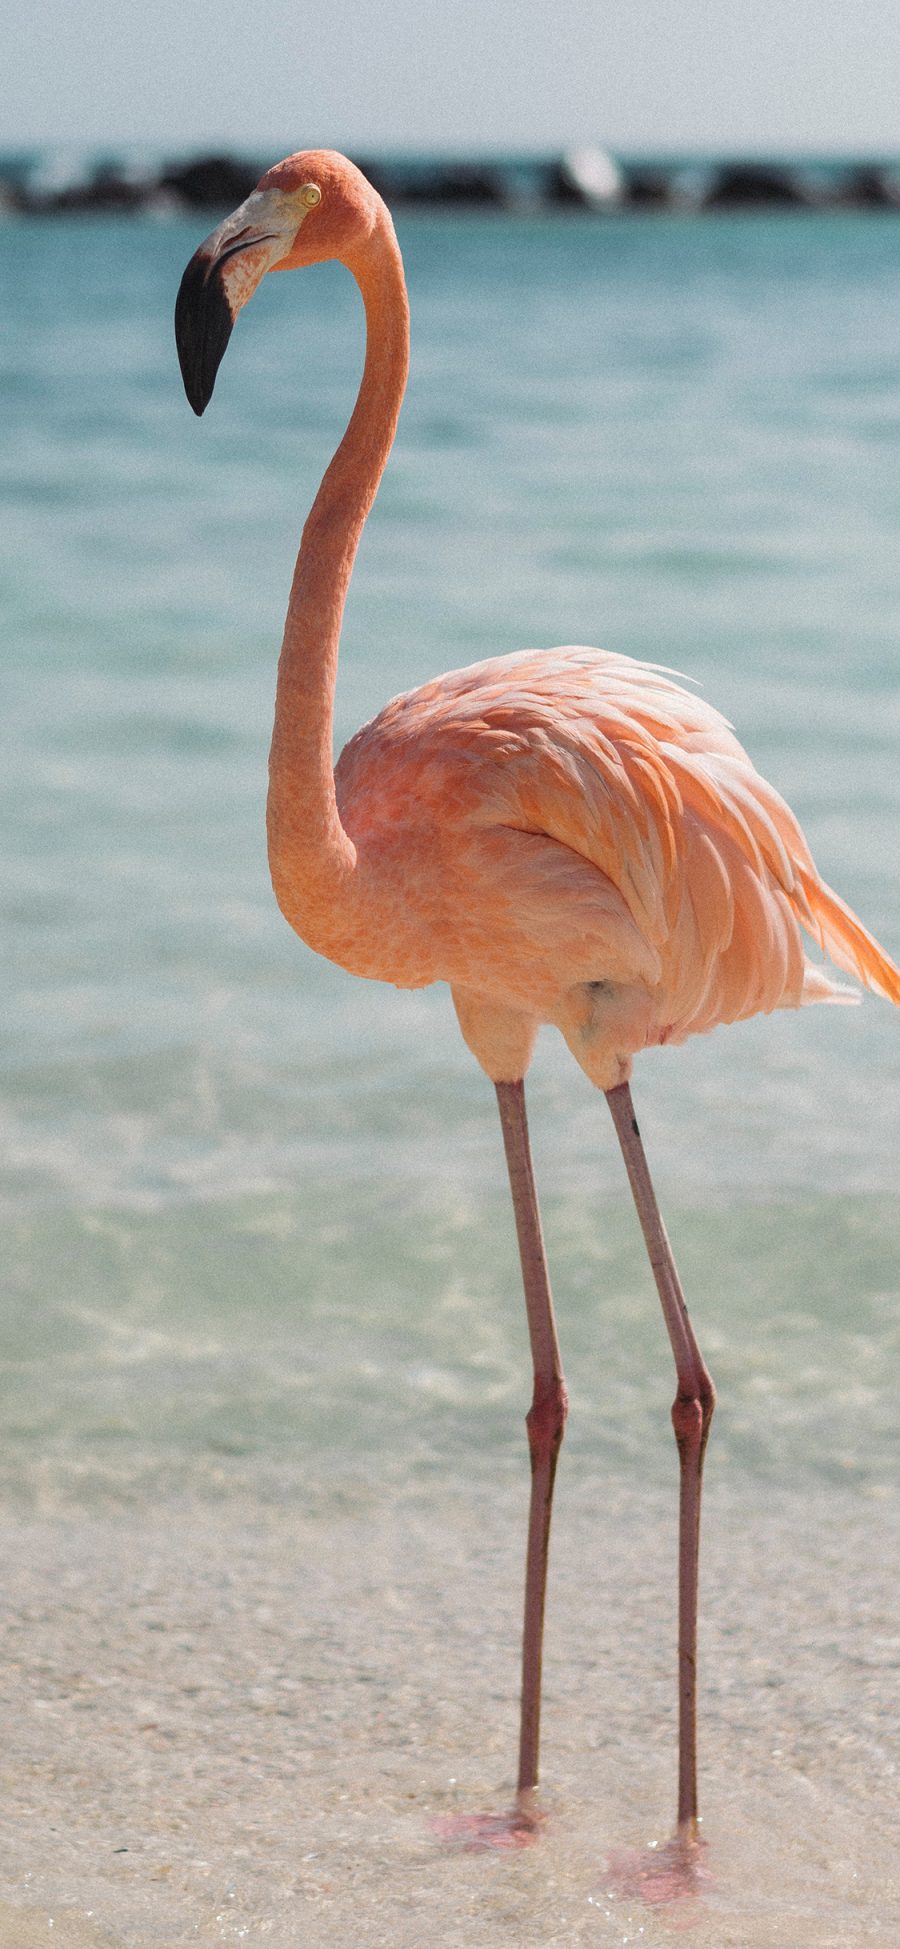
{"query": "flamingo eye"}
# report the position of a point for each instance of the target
(310, 195)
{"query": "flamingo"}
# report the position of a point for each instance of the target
(564, 836)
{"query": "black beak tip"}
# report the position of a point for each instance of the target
(203, 324)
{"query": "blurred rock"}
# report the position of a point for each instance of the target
(869, 187)
(12, 198)
(742, 185)
(460, 182)
(211, 182)
(647, 189)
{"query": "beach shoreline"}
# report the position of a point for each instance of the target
(240, 1722)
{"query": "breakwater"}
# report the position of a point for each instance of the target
(577, 179)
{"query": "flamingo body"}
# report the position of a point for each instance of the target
(570, 836)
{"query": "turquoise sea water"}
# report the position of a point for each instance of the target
(246, 1193)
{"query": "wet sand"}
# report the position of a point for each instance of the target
(242, 1721)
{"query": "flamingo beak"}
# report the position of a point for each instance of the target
(221, 276)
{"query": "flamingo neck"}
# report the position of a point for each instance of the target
(311, 857)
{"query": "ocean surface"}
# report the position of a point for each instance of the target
(257, 1238)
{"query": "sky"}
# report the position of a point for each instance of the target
(749, 76)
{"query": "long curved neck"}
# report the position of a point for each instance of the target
(311, 857)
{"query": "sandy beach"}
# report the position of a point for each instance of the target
(244, 1722)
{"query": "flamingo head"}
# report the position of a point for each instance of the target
(313, 206)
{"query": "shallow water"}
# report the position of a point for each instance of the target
(256, 1229)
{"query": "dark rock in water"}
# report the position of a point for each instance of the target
(477, 184)
(13, 199)
(385, 177)
(211, 182)
(869, 188)
(461, 182)
(471, 183)
(650, 189)
(741, 185)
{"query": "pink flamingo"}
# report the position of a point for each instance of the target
(563, 835)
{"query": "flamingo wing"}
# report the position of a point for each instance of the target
(574, 816)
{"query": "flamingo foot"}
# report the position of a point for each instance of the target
(670, 1878)
(481, 1833)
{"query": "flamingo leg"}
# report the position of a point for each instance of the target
(546, 1418)
(692, 1412)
